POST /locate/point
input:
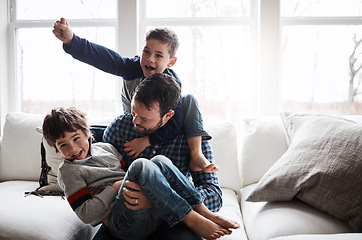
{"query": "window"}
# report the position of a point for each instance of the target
(321, 56)
(217, 53)
(45, 76)
(228, 58)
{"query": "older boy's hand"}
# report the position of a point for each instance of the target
(63, 31)
(135, 199)
(136, 146)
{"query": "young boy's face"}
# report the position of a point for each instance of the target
(156, 57)
(74, 145)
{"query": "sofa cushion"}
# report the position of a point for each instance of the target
(33, 217)
(322, 167)
(262, 144)
(231, 210)
(267, 220)
(342, 236)
(20, 147)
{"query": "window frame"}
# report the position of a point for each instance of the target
(266, 22)
(13, 101)
(317, 21)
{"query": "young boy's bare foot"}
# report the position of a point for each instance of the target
(199, 162)
(204, 227)
(220, 220)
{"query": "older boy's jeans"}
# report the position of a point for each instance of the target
(170, 192)
(193, 123)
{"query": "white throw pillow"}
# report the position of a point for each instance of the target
(263, 143)
(20, 150)
(224, 145)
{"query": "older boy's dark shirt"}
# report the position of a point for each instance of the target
(129, 69)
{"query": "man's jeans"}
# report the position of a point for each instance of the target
(172, 195)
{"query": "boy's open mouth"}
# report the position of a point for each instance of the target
(149, 68)
(78, 155)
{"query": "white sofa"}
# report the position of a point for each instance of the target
(242, 164)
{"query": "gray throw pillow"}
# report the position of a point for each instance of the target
(322, 167)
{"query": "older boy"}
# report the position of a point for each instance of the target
(169, 195)
(158, 57)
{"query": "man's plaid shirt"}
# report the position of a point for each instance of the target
(122, 130)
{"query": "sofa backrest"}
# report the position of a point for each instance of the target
(20, 157)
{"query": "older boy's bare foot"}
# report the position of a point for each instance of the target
(211, 168)
(204, 227)
(199, 163)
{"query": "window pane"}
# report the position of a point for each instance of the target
(48, 77)
(196, 8)
(215, 64)
(320, 8)
(316, 68)
(70, 9)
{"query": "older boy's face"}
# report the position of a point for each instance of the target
(146, 120)
(156, 57)
(74, 145)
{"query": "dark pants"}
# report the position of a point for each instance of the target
(178, 232)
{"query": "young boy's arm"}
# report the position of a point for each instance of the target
(91, 210)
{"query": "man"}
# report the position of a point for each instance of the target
(152, 106)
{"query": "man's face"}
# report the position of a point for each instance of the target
(74, 145)
(146, 120)
(156, 57)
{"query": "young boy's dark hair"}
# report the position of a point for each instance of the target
(159, 88)
(165, 35)
(62, 120)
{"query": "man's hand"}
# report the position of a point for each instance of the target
(136, 146)
(63, 31)
(135, 199)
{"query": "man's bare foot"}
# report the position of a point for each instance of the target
(226, 223)
(199, 163)
(204, 227)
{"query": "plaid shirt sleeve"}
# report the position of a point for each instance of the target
(122, 130)
(208, 183)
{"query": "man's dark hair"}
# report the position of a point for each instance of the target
(165, 35)
(161, 89)
(61, 120)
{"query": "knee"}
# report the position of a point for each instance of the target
(188, 99)
(161, 160)
(138, 165)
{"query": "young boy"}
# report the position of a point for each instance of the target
(88, 167)
(158, 57)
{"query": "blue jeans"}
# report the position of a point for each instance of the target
(178, 232)
(172, 195)
(193, 123)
